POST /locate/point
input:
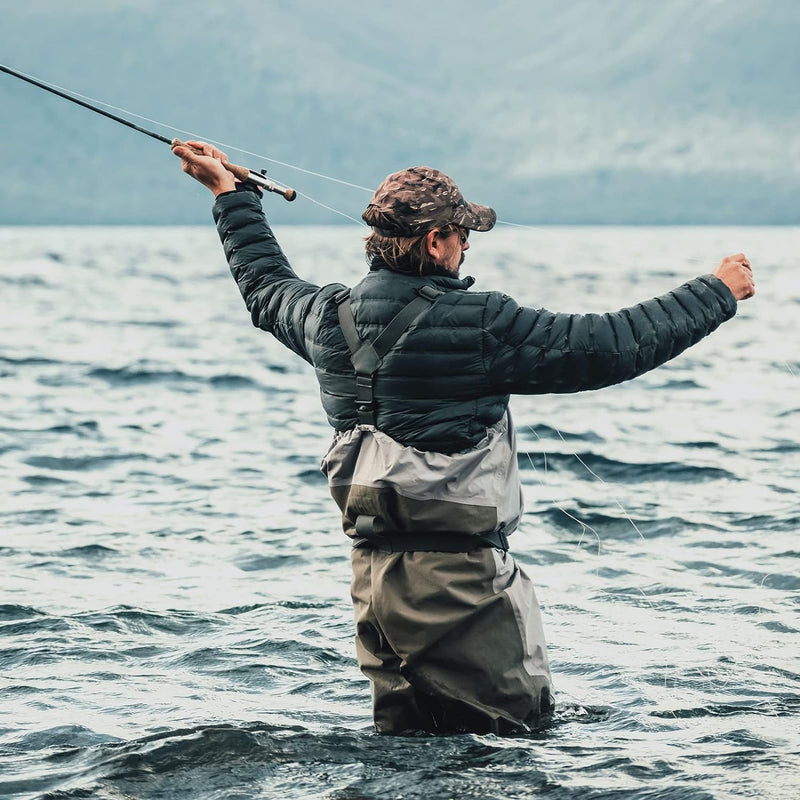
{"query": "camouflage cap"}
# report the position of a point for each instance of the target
(418, 199)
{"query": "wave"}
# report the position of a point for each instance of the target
(89, 551)
(313, 477)
(289, 762)
(9, 611)
(197, 762)
(84, 428)
(259, 563)
(788, 706)
(547, 432)
(291, 604)
(81, 463)
(28, 360)
(765, 522)
(619, 471)
(150, 323)
(674, 384)
(610, 525)
(79, 428)
(125, 618)
(703, 445)
(737, 573)
(125, 376)
(129, 375)
(782, 446)
(78, 736)
(24, 280)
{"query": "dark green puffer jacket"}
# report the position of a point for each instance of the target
(450, 375)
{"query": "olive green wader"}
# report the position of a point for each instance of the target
(451, 642)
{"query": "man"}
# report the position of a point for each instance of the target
(415, 374)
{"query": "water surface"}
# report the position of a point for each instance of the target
(174, 610)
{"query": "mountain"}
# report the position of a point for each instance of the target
(683, 111)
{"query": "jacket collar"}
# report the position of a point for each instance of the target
(441, 279)
(448, 282)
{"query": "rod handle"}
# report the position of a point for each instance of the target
(245, 174)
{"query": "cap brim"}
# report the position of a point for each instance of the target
(477, 218)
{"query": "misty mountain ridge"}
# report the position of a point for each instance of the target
(624, 112)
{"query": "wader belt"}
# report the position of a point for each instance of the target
(427, 542)
(367, 355)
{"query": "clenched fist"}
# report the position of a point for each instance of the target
(206, 164)
(735, 272)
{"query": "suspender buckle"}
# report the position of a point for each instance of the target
(365, 402)
(429, 293)
(501, 535)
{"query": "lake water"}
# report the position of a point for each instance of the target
(174, 602)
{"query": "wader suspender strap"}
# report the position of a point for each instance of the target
(367, 355)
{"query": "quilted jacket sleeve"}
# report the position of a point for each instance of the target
(532, 351)
(278, 301)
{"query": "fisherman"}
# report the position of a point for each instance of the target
(415, 372)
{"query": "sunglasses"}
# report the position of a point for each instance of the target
(449, 230)
(463, 233)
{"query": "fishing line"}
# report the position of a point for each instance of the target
(68, 95)
(85, 100)
(91, 103)
(625, 513)
(584, 525)
(512, 224)
(520, 225)
(594, 475)
(334, 210)
(285, 164)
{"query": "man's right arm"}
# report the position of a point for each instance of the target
(277, 299)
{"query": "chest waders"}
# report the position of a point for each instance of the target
(367, 356)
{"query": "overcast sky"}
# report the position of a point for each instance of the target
(586, 111)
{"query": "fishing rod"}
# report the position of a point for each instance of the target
(242, 173)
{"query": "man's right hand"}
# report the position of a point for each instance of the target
(735, 272)
(206, 164)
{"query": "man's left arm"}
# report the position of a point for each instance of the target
(535, 351)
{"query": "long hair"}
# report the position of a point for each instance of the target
(406, 254)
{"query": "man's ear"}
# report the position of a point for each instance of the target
(432, 239)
